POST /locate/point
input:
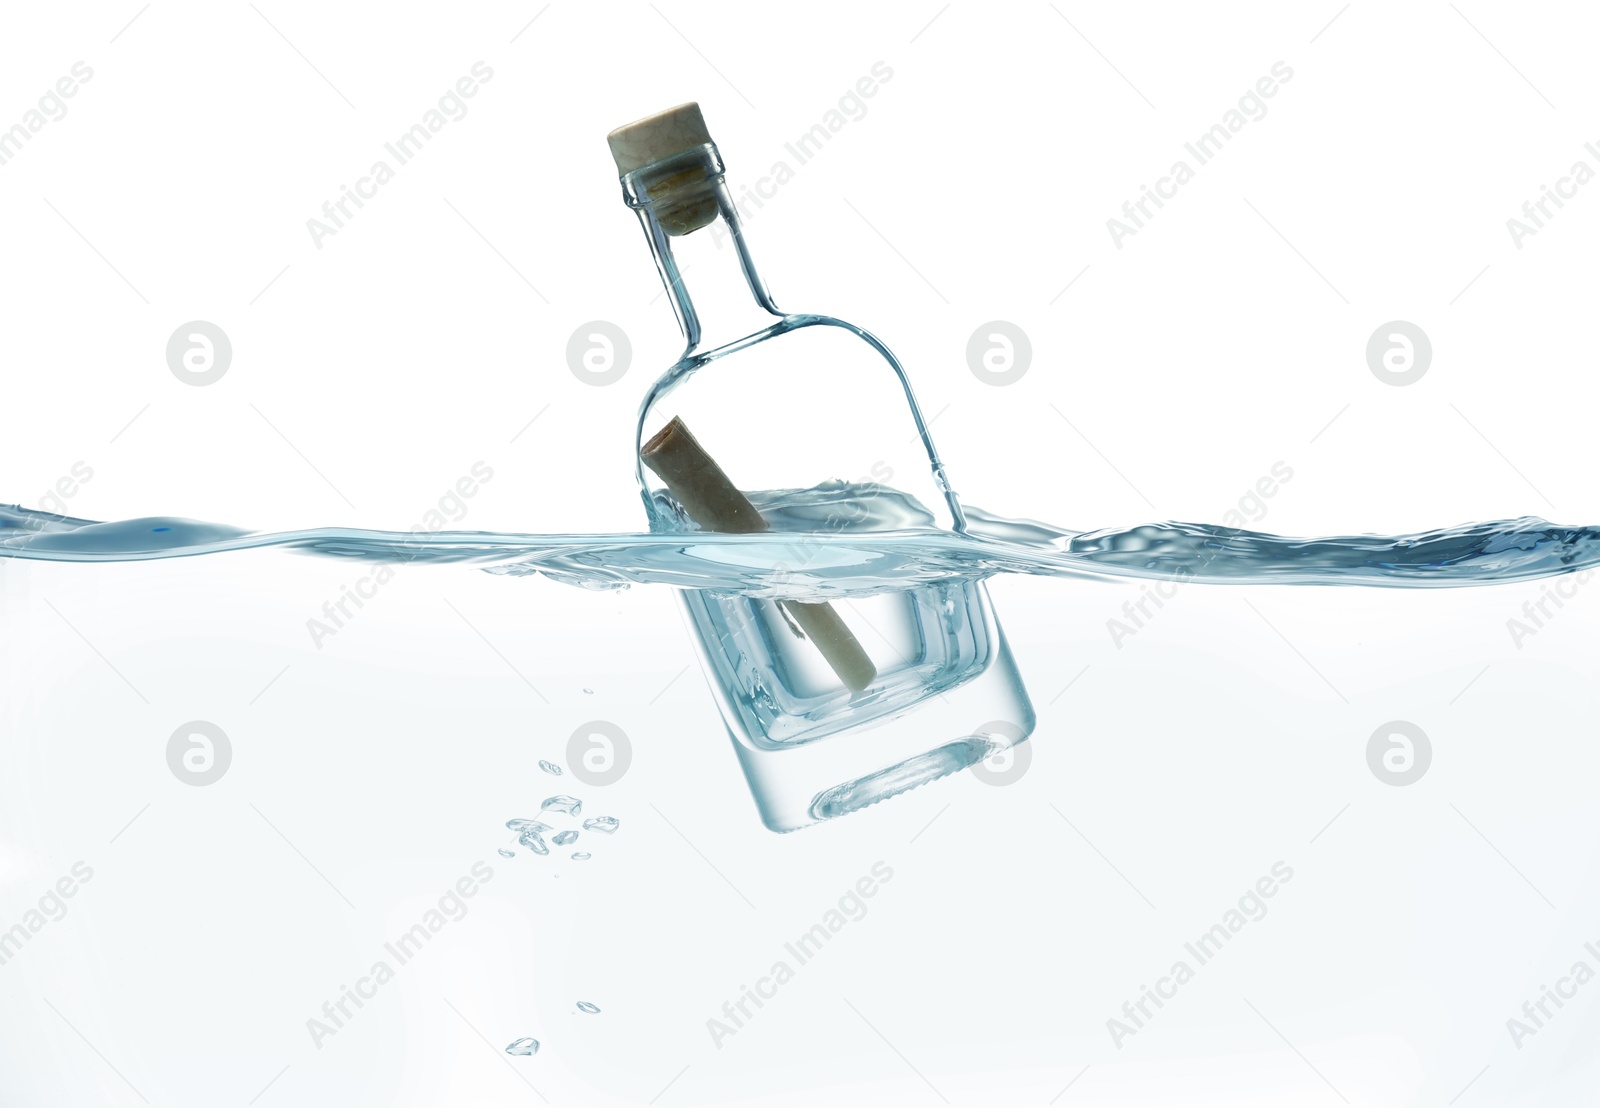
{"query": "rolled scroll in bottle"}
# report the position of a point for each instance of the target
(707, 496)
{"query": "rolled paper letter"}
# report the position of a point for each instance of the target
(716, 504)
(697, 482)
(837, 643)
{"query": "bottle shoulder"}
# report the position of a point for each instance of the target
(809, 400)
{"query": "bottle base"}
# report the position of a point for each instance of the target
(799, 785)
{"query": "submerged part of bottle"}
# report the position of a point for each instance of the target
(831, 706)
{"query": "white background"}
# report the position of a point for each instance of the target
(370, 374)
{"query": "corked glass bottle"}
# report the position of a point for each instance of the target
(806, 425)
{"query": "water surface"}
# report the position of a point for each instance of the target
(840, 538)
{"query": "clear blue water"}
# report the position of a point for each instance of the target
(858, 539)
(911, 594)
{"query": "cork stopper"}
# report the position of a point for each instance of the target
(683, 198)
(655, 137)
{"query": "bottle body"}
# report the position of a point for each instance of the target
(947, 696)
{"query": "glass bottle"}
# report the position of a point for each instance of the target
(811, 418)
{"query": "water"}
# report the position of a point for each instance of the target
(912, 594)
(861, 540)
(524, 1047)
(563, 805)
(531, 831)
(923, 642)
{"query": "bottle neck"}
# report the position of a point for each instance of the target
(691, 223)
